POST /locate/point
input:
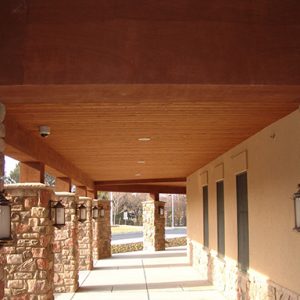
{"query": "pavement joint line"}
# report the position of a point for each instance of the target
(148, 295)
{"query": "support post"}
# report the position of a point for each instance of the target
(85, 236)
(29, 265)
(154, 223)
(65, 247)
(102, 231)
(32, 171)
(2, 148)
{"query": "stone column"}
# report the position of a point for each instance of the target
(29, 262)
(153, 225)
(102, 231)
(85, 236)
(2, 147)
(65, 247)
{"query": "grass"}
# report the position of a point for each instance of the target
(125, 229)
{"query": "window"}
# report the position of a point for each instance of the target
(205, 217)
(220, 218)
(242, 219)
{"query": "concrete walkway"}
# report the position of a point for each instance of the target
(143, 276)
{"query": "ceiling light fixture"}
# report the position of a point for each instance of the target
(144, 139)
(137, 174)
(141, 162)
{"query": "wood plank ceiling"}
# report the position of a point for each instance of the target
(197, 77)
(101, 137)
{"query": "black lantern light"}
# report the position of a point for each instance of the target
(95, 212)
(5, 219)
(58, 214)
(297, 209)
(82, 213)
(102, 212)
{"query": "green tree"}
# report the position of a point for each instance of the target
(14, 175)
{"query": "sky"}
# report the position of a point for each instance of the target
(10, 164)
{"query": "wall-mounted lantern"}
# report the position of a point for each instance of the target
(5, 219)
(297, 209)
(95, 212)
(102, 212)
(161, 211)
(58, 211)
(82, 213)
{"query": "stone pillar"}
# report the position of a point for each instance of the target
(85, 236)
(32, 171)
(153, 224)
(102, 231)
(29, 262)
(2, 147)
(65, 247)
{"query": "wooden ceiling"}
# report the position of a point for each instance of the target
(96, 128)
(197, 77)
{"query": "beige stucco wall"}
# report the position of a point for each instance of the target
(273, 165)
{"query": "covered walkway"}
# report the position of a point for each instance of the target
(143, 276)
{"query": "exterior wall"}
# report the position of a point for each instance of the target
(102, 232)
(65, 247)
(29, 261)
(272, 160)
(153, 226)
(85, 236)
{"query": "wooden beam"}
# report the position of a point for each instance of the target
(63, 184)
(26, 142)
(81, 191)
(32, 171)
(138, 181)
(154, 196)
(142, 188)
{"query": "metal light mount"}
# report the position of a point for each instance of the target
(82, 213)
(57, 213)
(297, 209)
(5, 219)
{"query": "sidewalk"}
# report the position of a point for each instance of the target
(144, 276)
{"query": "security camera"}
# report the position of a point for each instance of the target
(44, 131)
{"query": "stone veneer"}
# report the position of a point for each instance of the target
(29, 269)
(65, 247)
(2, 146)
(2, 263)
(85, 236)
(234, 284)
(102, 231)
(153, 225)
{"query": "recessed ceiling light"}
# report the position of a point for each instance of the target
(144, 139)
(141, 162)
(137, 174)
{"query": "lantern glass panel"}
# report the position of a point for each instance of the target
(297, 212)
(82, 213)
(95, 212)
(102, 212)
(60, 216)
(4, 222)
(161, 211)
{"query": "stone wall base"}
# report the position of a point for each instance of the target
(234, 284)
